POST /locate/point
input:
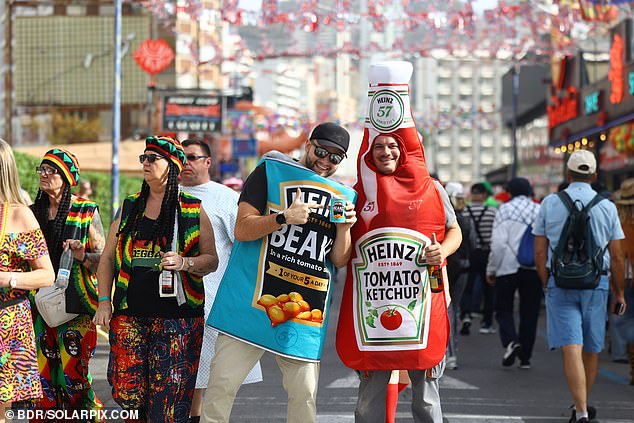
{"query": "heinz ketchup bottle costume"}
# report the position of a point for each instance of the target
(389, 318)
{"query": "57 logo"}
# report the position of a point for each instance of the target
(387, 109)
(384, 111)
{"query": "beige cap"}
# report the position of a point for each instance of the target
(626, 194)
(582, 161)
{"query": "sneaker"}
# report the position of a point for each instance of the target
(592, 413)
(512, 350)
(452, 363)
(525, 364)
(488, 330)
(466, 325)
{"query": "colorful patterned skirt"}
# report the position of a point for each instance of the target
(153, 365)
(19, 374)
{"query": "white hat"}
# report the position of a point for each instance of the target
(454, 189)
(582, 161)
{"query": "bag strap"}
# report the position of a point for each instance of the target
(565, 198)
(477, 223)
(4, 214)
(570, 205)
(180, 294)
(596, 200)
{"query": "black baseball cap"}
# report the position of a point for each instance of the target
(519, 186)
(329, 134)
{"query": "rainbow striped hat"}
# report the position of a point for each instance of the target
(169, 148)
(65, 162)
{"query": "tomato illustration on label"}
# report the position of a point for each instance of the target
(391, 319)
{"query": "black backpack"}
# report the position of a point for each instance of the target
(577, 261)
(460, 259)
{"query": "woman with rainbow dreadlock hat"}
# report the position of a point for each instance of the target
(68, 222)
(158, 249)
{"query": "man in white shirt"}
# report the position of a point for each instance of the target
(221, 205)
(508, 275)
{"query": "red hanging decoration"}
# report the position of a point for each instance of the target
(310, 22)
(153, 56)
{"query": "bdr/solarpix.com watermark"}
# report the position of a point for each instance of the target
(102, 415)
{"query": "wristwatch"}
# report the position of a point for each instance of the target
(190, 264)
(280, 219)
(13, 283)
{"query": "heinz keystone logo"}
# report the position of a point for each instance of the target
(386, 110)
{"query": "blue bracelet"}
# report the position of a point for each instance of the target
(104, 298)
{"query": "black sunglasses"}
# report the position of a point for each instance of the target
(150, 158)
(193, 157)
(321, 152)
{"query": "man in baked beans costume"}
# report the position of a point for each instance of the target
(390, 318)
(275, 293)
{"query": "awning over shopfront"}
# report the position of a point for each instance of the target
(579, 109)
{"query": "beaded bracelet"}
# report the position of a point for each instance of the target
(104, 298)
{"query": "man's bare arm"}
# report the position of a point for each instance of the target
(541, 257)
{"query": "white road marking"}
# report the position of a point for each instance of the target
(461, 418)
(446, 382)
(350, 381)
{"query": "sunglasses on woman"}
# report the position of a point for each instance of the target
(150, 158)
(322, 152)
(48, 171)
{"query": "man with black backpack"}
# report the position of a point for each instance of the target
(577, 242)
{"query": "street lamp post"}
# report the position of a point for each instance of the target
(116, 108)
(516, 86)
(433, 132)
(8, 78)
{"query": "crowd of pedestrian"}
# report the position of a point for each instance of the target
(185, 256)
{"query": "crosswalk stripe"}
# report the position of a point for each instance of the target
(462, 418)
(350, 381)
(446, 382)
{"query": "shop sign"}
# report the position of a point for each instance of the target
(591, 102)
(615, 75)
(192, 113)
(563, 110)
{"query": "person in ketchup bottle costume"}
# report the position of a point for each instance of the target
(389, 317)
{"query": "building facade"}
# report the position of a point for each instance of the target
(456, 106)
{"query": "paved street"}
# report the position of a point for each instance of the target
(479, 391)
